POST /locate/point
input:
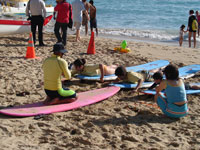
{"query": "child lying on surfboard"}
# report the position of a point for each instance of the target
(132, 77)
(80, 67)
(158, 77)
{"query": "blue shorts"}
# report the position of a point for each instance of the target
(170, 109)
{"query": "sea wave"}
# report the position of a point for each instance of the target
(148, 34)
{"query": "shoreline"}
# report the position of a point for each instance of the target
(172, 42)
(151, 41)
(139, 39)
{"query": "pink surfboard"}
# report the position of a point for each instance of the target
(84, 99)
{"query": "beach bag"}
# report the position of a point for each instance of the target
(194, 25)
(70, 24)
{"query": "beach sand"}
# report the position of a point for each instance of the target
(123, 121)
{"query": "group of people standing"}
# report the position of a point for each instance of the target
(80, 12)
(193, 28)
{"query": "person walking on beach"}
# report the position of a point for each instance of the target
(174, 104)
(54, 13)
(77, 10)
(192, 28)
(53, 67)
(85, 19)
(36, 11)
(198, 20)
(63, 11)
(93, 20)
(181, 34)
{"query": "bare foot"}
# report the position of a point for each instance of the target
(78, 40)
(68, 100)
(58, 101)
(47, 100)
(53, 101)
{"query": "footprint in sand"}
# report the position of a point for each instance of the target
(82, 141)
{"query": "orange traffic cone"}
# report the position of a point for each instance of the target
(30, 53)
(91, 46)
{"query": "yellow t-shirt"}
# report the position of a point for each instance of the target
(88, 70)
(133, 77)
(53, 67)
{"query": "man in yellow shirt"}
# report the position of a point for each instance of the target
(53, 67)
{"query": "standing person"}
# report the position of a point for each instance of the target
(53, 67)
(77, 9)
(37, 12)
(191, 28)
(181, 33)
(54, 13)
(175, 102)
(63, 11)
(93, 20)
(85, 19)
(198, 20)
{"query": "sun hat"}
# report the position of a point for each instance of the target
(59, 47)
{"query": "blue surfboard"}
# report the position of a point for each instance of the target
(148, 66)
(189, 71)
(153, 92)
(184, 72)
(130, 85)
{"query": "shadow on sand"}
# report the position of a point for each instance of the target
(142, 118)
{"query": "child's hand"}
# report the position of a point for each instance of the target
(135, 90)
(117, 80)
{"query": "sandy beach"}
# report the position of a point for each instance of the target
(121, 122)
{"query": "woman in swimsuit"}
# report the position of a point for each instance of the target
(174, 104)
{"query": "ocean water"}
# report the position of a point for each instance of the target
(151, 19)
